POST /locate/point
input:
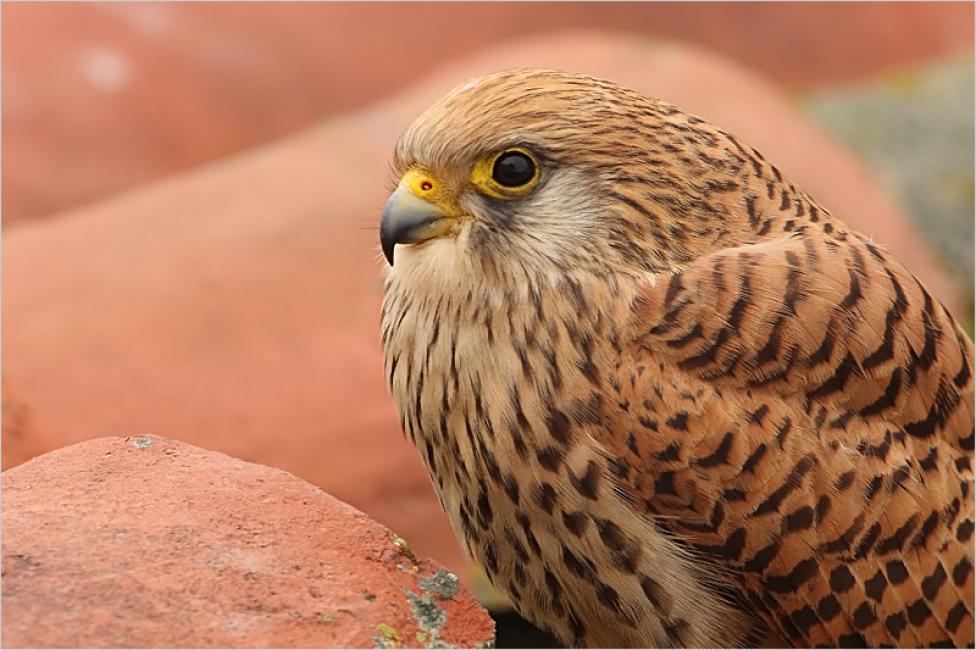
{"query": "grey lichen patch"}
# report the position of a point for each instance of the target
(141, 442)
(442, 584)
(386, 637)
(428, 613)
(430, 617)
(326, 617)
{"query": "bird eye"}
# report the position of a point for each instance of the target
(507, 174)
(513, 169)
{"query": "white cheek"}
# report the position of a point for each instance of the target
(562, 214)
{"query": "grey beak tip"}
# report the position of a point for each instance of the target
(388, 234)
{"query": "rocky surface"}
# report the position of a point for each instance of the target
(148, 542)
(237, 306)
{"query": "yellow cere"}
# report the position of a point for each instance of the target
(423, 185)
(482, 176)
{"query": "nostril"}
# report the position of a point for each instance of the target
(426, 186)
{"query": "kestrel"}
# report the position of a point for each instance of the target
(665, 397)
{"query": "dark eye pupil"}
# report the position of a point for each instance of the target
(513, 169)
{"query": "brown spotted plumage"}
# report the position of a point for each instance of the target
(665, 397)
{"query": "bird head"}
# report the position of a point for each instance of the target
(532, 171)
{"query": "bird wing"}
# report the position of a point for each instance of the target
(799, 412)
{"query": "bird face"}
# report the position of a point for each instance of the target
(537, 172)
(503, 212)
(497, 182)
(424, 207)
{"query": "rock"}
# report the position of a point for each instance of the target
(237, 306)
(104, 97)
(149, 542)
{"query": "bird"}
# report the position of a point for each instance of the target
(664, 396)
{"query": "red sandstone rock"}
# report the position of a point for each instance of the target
(237, 306)
(148, 542)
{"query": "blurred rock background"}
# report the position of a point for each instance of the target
(190, 193)
(99, 97)
(914, 126)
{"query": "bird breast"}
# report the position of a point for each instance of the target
(503, 395)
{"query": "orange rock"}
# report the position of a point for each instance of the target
(148, 542)
(237, 306)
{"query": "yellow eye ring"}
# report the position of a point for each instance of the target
(507, 174)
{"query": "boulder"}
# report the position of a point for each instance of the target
(237, 305)
(149, 542)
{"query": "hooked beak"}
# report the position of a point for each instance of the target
(409, 219)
